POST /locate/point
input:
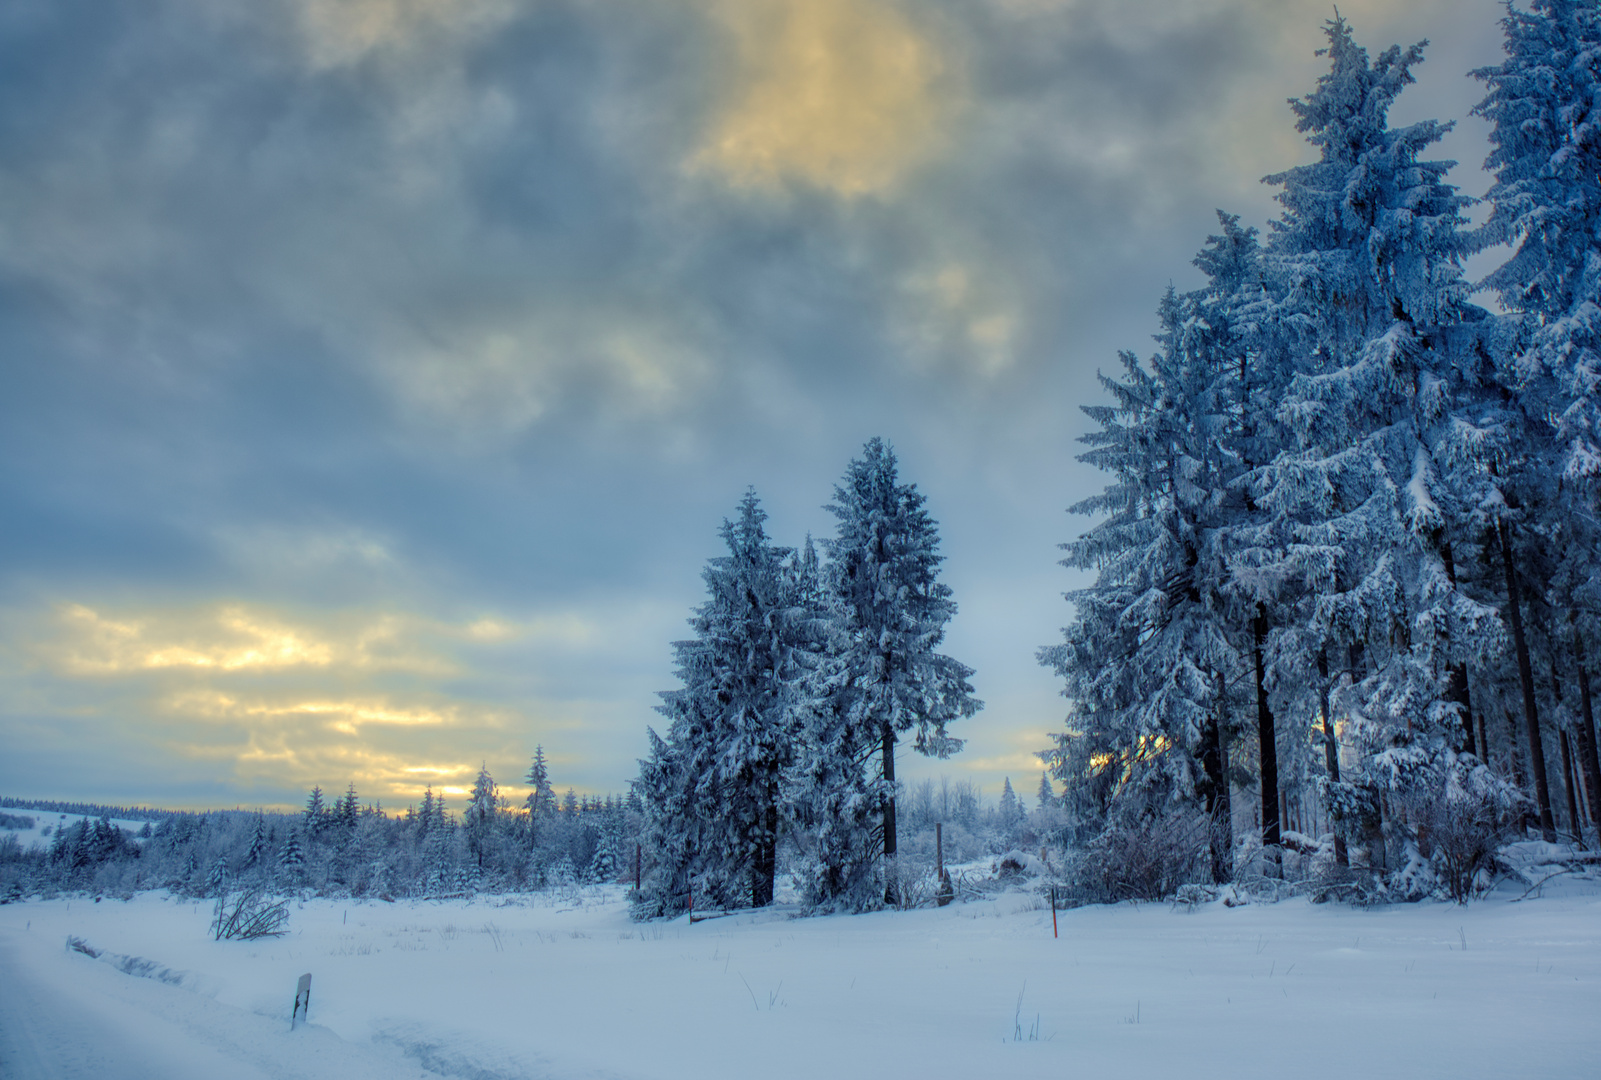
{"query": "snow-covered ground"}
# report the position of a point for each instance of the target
(541, 987)
(46, 823)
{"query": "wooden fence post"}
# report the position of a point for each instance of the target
(943, 892)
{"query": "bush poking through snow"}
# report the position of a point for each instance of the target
(247, 915)
(77, 944)
(1145, 860)
(1461, 821)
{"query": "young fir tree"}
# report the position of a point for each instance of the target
(607, 859)
(258, 843)
(292, 860)
(718, 775)
(1009, 810)
(479, 818)
(424, 818)
(1044, 798)
(439, 854)
(217, 876)
(890, 611)
(541, 800)
(348, 810)
(316, 815)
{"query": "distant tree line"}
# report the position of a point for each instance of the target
(339, 848)
(123, 813)
(1347, 557)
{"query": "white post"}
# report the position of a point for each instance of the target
(302, 1000)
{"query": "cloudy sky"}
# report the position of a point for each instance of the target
(376, 373)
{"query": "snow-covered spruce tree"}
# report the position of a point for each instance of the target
(1009, 811)
(257, 851)
(883, 676)
(884, 612)
(1351, 551)
(1044, 797)
(348, 809)
(713, 787)
(483, 804)
(1157, 639)
(440, 878)
(424, 817)
(828, 787)
(541, 800)
(292, 860)
(316, 814)
(607, 860)
(836, 791)
(217, 877)
(671, 831)
(1544, 101)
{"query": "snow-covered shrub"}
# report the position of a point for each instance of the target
(1462, 814)
(1147, 859)
(1431, 818)
(247, 915)
(845, 880)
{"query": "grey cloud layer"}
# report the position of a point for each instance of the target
(441, 306)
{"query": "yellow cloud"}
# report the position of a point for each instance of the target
(375, 773)
(232, 638)
(332, 714)
(843, 95)
(243, 639)
(238, 640)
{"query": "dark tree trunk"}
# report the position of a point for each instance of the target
(764, 874)
(891, 892)
(1269, 752)
(1457, 693)
(1484, 741)
(1456, 687)
(1519, 773)
(1214, 760)
(1567, 785)
(1592, 766)
(1331, 751)
(1531, 714)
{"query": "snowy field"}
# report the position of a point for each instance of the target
(46, 823)
(540, 987)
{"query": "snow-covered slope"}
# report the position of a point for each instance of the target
(570, 988)
(46, 823)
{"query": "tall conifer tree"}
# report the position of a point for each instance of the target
(890, 611)
(714, 785)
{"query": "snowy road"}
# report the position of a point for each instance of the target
(48, 1034)
(105, 1025)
